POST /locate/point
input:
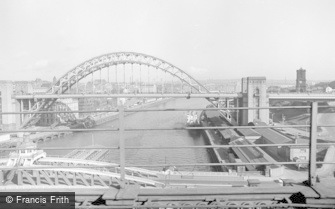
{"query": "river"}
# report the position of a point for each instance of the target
(142, 120)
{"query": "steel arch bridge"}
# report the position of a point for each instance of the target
(60, 106)
(67, 115)
(73, 76)
(88, 67)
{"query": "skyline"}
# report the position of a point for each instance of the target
(208, 40)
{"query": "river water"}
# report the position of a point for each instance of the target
(142, 120)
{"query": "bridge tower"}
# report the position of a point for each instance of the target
(301, 85)
(253, 95)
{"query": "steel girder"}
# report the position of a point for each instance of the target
(88, 67)
(60, 106)
(45, 105)
(71, 177)
(41, 105)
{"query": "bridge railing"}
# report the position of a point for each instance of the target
(312, 163)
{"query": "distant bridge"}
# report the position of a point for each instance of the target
(157, 70)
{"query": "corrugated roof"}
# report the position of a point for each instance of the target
(226, 133)
(248, 132)
(214, 117)
(250, 154)
(273, 136)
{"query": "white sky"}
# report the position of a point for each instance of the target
(208, 39)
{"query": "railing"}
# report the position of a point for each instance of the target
(122, 148)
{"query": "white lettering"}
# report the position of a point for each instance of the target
(28, 200)
(18, 198)
(59, 199)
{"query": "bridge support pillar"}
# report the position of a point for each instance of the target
(254, 95)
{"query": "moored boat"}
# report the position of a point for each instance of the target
(193, 121)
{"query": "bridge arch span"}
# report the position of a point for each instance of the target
(90, 66)
(81, 71)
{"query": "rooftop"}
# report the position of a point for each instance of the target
(248, 132)
(273, 136)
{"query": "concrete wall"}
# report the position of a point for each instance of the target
(7, 105)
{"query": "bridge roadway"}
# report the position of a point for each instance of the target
(302, 96)
(272, 96)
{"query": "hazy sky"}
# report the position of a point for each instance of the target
(208, 39)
